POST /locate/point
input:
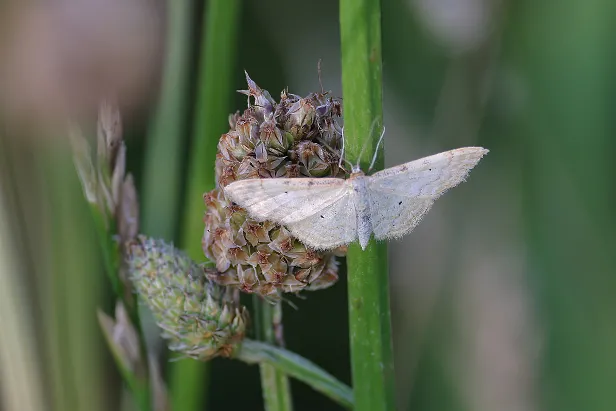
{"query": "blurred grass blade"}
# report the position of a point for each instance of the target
(168, 129)
(216, 68)
(563, 58)
(20, 371)
(164, 148)
(256, 352)
(72, 289)
(188, 378)
(369, 312)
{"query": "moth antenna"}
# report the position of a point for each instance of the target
(342, 155)
(361, 152)
(327, 146)
(376, 150)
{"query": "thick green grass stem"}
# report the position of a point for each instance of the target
(274, 383)
(188, 378)
(291, 364)
(368, 285)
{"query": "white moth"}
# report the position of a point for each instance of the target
(325, 213)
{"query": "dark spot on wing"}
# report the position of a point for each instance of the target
(404, 168)
(322, 217)
(286, 192)
(400, 203)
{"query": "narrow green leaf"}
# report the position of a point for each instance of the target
(255, 352)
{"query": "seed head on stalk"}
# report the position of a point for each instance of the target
(199, 318)
(295, 137)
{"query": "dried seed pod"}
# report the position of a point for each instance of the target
(296, 137)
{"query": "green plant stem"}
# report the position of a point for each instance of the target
(217, 66)
(369, 312)
(108, 248)
(166, 135)
(188, 378)
(274, 383)
(138, 384)
(104, 227)
(256, 352)
(164, 149)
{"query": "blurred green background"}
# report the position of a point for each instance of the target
(504, 296)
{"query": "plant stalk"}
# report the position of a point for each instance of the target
(162, 168)
(274, 383)
(212, 110)
(188, 378)
(368, 284)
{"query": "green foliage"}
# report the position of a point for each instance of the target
(535, 87)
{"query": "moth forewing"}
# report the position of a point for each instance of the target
(325, 213)
(329, 227)
(284, 200)
(429, 176)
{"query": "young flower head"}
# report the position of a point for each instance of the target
(199, 318)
